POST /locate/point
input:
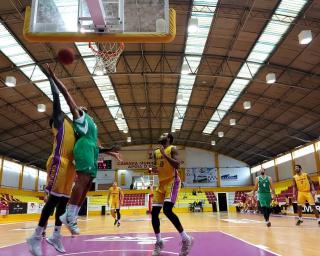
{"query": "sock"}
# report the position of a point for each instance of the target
(57, 230)
(38, 231)
(318, 219)
(158, 237)
(78, 210)
(300, 218)
(184, 236)
(72, 210)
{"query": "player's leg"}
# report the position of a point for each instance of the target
(113, 212)
(172, 191)
(78, 194)
(156, 209)
(34, 242)
(300, 201)
(312, 204)
(118, 217)
(55, 239)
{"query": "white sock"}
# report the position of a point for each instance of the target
(318, 219)
(38, 231)
(184, 236)
(78, 210)
(72, 210)
(57, 230)
(158, 237)
(300, 218)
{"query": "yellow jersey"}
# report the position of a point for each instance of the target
(166, 172)
(115, 194)
(302, 182)
(64, 140)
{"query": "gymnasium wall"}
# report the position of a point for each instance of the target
(16, 175)
(196, 163)
(282, 168)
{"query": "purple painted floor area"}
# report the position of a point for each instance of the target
(206, 243)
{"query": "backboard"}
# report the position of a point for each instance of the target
(145, 21)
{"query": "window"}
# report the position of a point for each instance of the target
(303, 151)
(268, 164)
(256, 169)
(283, 159)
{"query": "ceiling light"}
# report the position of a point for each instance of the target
(271, 78)
(11, 81)
(305, 37)
(173, 129)
(185, 70)
(232, 121)
(41, 108)
(247, 105)
(142, 107)
(119, 115)
(128, 139)
(193, 25)
(220, 134)
(213, 142)
(125, 130)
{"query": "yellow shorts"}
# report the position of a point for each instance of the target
(115, 205)
(167, 192)
(61, 174)
(304, 197)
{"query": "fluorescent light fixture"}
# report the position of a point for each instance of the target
(305, 37)
(193, 25)
(195, 43)
(11, 81)
(185, 69)
(125, 130)
(232, 121)
(275, 29)
(128, 139)
(11, 48)
(247, 105)
(220, 134)
(41, 108)
(271, 78)
(213, 142)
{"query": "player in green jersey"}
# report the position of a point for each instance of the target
(86, 152)
(264, 186)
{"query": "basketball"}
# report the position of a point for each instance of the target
(66, 56)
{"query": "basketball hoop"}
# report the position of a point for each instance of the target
(107, 55)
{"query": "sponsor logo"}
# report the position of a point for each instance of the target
(137, 239)
(229, 177)
(308, 209)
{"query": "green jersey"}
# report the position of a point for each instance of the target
(86, 149)
(264, 184)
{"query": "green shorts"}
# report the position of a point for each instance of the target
(265, 199)
(86, 158)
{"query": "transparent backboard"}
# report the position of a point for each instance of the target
(120, 16)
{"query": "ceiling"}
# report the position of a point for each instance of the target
(283, 115)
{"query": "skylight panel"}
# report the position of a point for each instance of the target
(283, 159)
(268, 164)
(264, 46)
(105, 87)
(195, 44)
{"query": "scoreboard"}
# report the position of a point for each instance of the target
(105, 165)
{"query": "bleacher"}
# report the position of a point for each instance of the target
(211, 197)
(8, 198)
(238, 196)
(134, 199)
(27, 199)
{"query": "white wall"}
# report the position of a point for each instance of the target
(199, 158)
(234, 172)
(104, 178)
(29, 178)
(307, 162)
(285, 170)
(42, 180)
(11, 174)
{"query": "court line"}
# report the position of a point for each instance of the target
(134, 250)
(267, 250)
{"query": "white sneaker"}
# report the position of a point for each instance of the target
(55, 241)
(70, 223)
(158, 246)
(34, 244)
(186, 246)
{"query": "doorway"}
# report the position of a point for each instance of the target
(223, 204)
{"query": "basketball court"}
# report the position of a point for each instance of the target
(236, 84)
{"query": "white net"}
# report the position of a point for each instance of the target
(107, 55)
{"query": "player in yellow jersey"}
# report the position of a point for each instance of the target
(166, 164)
(303, 191)
(116, 201)
(61, 173)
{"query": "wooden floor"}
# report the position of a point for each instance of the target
(283, 237)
